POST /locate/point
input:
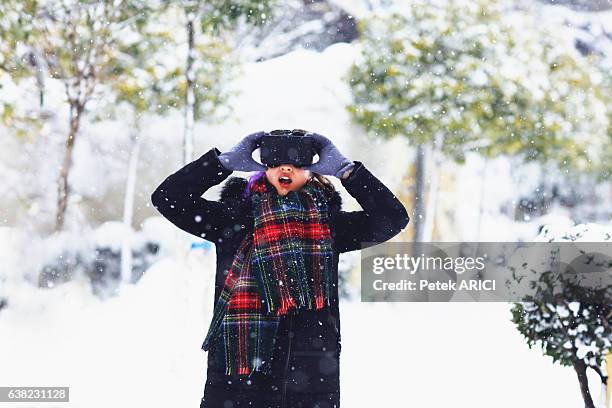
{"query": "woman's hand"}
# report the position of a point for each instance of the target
(240, 157)
(331, 161)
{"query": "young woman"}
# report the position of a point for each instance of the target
(274, 340)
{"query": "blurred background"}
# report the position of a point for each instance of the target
(491, 120)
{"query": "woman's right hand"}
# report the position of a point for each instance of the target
(240, 158)
(331, 161)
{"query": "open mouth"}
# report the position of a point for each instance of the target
(284, 180)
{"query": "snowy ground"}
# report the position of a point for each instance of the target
(142, 348)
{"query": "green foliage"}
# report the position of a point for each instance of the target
(20, 122)
(604, 169)
(216, 16)
(151, 80)
(569, 314)
(495, 85)
(223, 14)
(214, 65)
(76, 42)
(125, 50)
(566, 331)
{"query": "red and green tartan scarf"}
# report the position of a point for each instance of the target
(284, 266)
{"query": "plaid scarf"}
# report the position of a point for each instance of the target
(284, 266)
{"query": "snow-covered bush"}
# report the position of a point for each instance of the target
(95, 256)
(572, 323)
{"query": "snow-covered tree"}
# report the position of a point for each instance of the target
(571, 328)
(74, 42)
(213, 19)
(458, 76)
(137, 90)
(151, 81)
(566, 305)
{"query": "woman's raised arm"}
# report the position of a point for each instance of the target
(179, 198)
(383, 215)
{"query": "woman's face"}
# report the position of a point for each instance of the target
(287, 177)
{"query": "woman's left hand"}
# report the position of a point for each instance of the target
(331, 161)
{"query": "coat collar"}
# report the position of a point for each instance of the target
(235, 186)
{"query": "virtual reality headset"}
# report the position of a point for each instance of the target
(286, 146)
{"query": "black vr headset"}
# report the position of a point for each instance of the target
(286, 146)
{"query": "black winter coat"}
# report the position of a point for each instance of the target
(305, 365)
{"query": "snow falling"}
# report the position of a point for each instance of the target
(489, 120)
